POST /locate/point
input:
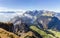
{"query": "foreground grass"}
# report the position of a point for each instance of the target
(6, 34)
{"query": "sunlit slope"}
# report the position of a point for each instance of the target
(6, 34)
(56, 33)
(45, 34)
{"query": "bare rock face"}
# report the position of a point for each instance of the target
(20, 29)
(44, 20)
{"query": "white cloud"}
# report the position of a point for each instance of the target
(2, 8)
(7, 16)
(17, 11)
(28, 16)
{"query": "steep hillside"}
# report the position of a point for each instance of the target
(6, 34)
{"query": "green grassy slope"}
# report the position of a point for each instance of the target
(56, 33)
(41, 32)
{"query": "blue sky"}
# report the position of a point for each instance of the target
(53, 5)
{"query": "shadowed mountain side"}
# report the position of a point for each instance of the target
(54, 24)
(7, 26)
(43, 21)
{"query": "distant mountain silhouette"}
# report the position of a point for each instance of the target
(43, 19)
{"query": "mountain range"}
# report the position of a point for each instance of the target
(35, 21)
(48, 19)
